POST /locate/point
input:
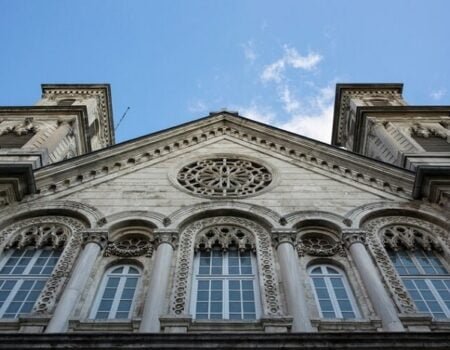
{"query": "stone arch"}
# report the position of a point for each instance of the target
(87, 214)
(321, 218)
(270, 296)
(32, 231)
(376, 244)
(358, 216)
(134, 218)
(185, 215)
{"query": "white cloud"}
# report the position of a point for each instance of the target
(259, 113)
(197, 107)
(249, 51)
(291, 58)
(438, 94)
(315, 119)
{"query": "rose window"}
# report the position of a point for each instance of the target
(224, 177)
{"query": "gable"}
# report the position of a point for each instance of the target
(63, 178)
(153, 186)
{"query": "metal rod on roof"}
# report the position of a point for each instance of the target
(123, 116)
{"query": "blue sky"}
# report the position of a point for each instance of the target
(174, 61)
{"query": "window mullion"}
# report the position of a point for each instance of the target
(437, 296)
(334, 302)
(11, 295)
(225, 286)
(117, 297)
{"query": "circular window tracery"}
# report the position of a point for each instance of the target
(224, 177)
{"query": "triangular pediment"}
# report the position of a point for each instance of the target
(103, 165)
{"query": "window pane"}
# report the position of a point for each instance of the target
(119, 290)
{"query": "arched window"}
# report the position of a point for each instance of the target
(333, 294)
(116, 295)
(426, 279)
(23, 274)
(225, 285)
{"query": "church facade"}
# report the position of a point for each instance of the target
(224, 231)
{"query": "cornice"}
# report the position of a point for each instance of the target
(391, 112)
(342, 97)
(103, 94)
(309, 153)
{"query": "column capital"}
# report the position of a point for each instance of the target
(350, 237)
(169, 236)
(283, 235)
(99, 237)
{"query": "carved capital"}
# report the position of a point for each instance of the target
(280, 235)
(166, 236)
(95, 236)
(350, 237)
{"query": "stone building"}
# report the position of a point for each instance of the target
(224, 231)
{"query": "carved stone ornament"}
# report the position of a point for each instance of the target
(130, 246)
(225, 236)
(72, 244)
(318, 245)
(408, 237)
(353, 236)
(376, 241)
(183, 272)
(95, 236)
(224, 177)
(17, 127)
(428, 130)
(40, 235)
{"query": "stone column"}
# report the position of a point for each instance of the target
(94, 241)
(383, 304)
(293, 286)
(155, 300)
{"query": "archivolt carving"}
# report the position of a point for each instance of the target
(376, 246)
(70, 228)
(270, 293)
(225, 236)
(409, 237)
(41, 235)
(130, 245)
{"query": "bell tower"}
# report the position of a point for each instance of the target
(68, 121)
(374, 120)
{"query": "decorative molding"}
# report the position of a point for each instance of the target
(157, 150)
(375, 244)
(408, 237)
(427, 130)
(39, 235)
(224, 177)
(280, 235)
(166, 236)
(130, 245)
(95, 236)
(18, 127)
(351, 237)
(318, 245)
(102, 103)
(345, 105)
(266, 264)
(225, 236)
